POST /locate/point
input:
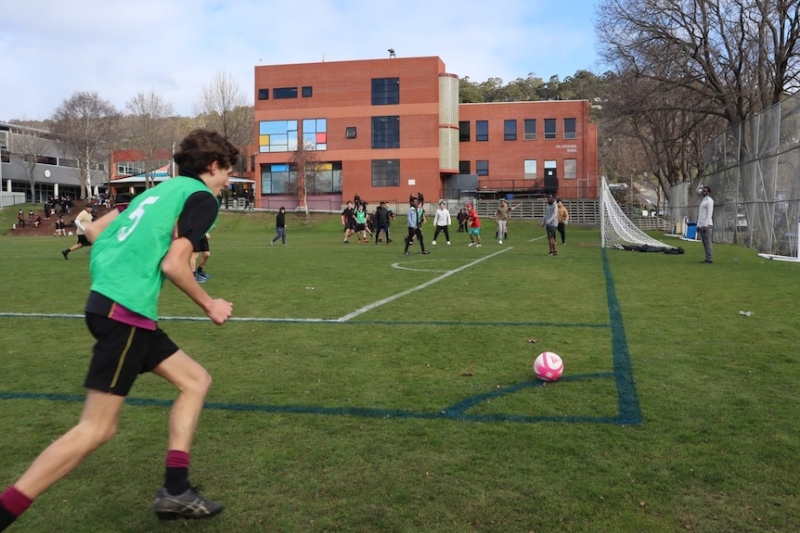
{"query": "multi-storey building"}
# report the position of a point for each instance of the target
(384, 129)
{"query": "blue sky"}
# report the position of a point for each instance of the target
(50, 49)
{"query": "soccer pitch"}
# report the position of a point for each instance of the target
(357, 389)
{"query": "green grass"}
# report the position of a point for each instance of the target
(352, 426)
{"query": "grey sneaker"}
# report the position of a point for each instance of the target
(189, 505)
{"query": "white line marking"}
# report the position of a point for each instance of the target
(379, 303)
(537, 238)
(345, 318)
(399, 266)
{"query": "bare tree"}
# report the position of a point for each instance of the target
(31, 145)
(224, 107)
(307, 162)
(735, 57)
(86, 124)
(152, 131)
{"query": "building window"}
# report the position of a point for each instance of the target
(326, 178)
(569, 128)
(126, 168)
(530, 169)
(570, 169)
(263, 94)
(482, 167)
(464, 167)
(463, 131)
(350, 132)
(549, 128)
(386, 132)
(308, 91)
(530, 129)
(510, 130)
(277, 136)
(315, 134)
(482, 130)
(278, 179)
(284, 92)
(385, 172)
(385, 91)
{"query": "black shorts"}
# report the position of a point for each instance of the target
(204, 245)
(83, 240)
(122, 352)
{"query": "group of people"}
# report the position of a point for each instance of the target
(556, 218)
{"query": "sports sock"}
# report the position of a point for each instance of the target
(12, 504)
(176, 476)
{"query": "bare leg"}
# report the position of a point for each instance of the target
(97, 425)
(193, 382)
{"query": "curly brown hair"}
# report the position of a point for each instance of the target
(201, 148)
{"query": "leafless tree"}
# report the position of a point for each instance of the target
(31, 145)
(87, 125)
(307, 162)
(736, 57)
(152, 131)
(224, 107)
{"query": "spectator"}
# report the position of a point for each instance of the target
(442, 222)
(280, 227)
(550, 222)
(563, 220)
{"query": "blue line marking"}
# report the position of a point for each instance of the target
(629, 412)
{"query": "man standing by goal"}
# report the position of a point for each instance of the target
(705, 223)
(551, 222)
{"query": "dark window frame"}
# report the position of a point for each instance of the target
(464, 131)
(482, 131)
(464, 167)
(350, 132)
(482, 167)
(548, 134)
(510, 129)
(387, 172)
(307, 91)
(263, 94)
(386, 132)
(529, 126)
(570, 128)
(284, 93)
(385, 91)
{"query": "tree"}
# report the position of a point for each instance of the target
(86, 123)
(735, 57)
(224, 107)
(306, 161)
(31, 145)
(152, 131)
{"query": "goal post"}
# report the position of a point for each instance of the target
(617, 230)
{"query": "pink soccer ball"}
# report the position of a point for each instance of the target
(548, 366)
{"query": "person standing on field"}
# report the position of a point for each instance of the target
(501, 217)
(563, 220)
(705, 224)
(550, 222)
(442, 222)
(134, 251)
(474, 226)
(280, 227)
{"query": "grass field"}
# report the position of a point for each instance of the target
(360, 390)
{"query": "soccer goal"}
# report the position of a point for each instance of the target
(617, 230)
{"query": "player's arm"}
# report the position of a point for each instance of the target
(195, 221)
(93, 230)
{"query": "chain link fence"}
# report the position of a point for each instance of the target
(753, 170)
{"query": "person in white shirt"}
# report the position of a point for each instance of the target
(442, 222)
(705, 224)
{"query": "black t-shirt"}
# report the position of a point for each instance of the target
(348, 214)
(198, 215)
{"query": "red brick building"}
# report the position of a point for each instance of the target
(384, 129)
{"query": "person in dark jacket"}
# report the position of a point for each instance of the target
(280, 227)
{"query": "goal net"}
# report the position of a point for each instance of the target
(617, 230)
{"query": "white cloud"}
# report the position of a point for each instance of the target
(49, 48)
